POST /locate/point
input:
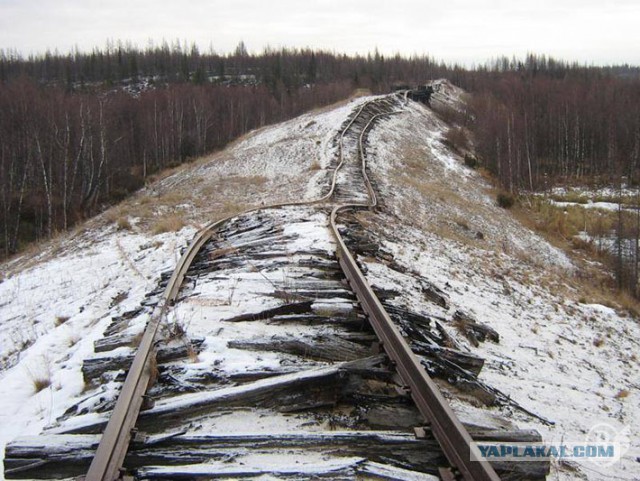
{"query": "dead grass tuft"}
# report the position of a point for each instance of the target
(123, 223)
(172, 198)
(457, 139)
(168, 172)
(192, 355)
(174, 330)
(625, 301)
(41, 383)
(222, 252)
(112, 215)
(135, 340)
(170, 223)
(41, 379)
(623, 393)
(60, 320)
(315, 165)
(414, 163)
(209, 190)
(580, 244)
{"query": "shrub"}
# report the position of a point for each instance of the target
(456, 138)
(470, 161)
(123, 223)
(41, 383)
(172, 223)
(578, 243)
(505, 200)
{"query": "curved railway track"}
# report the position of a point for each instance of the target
(349, 180)
(111, 452)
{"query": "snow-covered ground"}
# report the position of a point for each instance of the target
(603, 198)
(570, 362)
(588, 205)
(566, 361)
(51, 313)
(56, 303)
(623, 191)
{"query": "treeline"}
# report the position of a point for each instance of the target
(178, 62)
(82, 130)
(539, 123)
(65, 155)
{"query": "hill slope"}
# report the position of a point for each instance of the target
(563, 360)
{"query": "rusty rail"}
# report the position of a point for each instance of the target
(447, 429)
(109, 458)
(445, 425)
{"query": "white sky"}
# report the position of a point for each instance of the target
(589, 31)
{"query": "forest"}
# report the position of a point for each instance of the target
(537, 126)
(82, 130)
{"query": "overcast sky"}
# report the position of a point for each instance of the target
(589, 31)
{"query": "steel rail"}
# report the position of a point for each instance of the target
(452, 436)
(112, 449)
(108, 461)
(447, 429)
(107, 464)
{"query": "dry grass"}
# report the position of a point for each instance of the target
(38, 252)
(168, 172)
(123, 223)
(455, 211)
(583, 198)
(173, 198)
(222, 252)
(40, 383)
(153, 369)
(361, 92)
(200, 198)
(192, 354)
(560, 227)
(415, 163)
(592, 283)
(112, 215)
(231, 207)
(41, 378)
(457, 138)
(209, 190)
(135, 340)
(169, 223)
(315, 165)
(59, 320)
(623, 393)
(626, 302)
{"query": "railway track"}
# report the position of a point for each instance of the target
(307, 350)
